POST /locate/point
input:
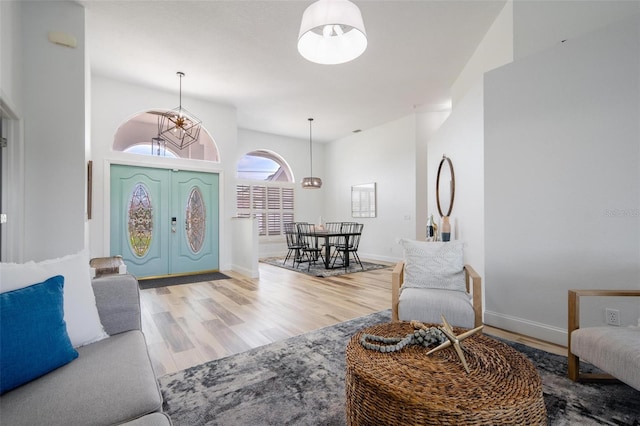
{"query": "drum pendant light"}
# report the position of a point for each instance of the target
(311, 182)
(332, 32)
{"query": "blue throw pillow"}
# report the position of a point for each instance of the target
(33, 334)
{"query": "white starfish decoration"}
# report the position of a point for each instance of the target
(455, 340)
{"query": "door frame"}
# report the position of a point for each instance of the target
(13, 181)
(213, 168)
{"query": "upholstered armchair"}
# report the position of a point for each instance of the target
(614, 350)
(433, 281)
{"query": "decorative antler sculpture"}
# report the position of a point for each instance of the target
(454, 340)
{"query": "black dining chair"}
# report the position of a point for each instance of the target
(332, 227)
(309, 241)
(349, 244)
(293, 243)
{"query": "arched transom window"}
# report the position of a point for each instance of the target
(139, 135)
(265, 191)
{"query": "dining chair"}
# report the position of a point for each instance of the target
(293, 243)
(349, 244)
(332, 227)
(309, 240)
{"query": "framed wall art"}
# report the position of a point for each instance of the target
(363, 200)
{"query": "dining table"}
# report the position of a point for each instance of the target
(327, 234)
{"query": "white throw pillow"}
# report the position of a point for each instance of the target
(434, 265)
(80, 311)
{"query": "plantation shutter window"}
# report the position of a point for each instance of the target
(271, 198)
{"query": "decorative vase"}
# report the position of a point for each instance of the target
(431, 229)
(446, 229)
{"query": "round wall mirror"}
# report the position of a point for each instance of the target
(445, 187)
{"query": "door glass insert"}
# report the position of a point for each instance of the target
(140, 220)
(195, 220)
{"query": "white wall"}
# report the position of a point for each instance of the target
(384, 155)
(245, 255)
(562, 194)
(427, 124)
(11, 53)
(495, 49)
(539, 25)
(461, 138)
(54, 130)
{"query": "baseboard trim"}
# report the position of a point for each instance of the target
(369, 256)
(251, 273)
(526, 327)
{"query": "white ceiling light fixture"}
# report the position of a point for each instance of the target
(332, 32)
(178, 127)
(311, 182)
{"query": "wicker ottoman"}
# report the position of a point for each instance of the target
(408, 387)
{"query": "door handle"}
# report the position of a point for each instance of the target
(173, 225)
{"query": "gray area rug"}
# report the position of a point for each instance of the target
(318, 270)
(300, 381)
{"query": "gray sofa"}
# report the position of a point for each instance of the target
(111, 382)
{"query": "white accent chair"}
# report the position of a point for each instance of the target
(615, 350)
(433, 281)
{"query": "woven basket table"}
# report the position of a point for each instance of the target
(408, 387)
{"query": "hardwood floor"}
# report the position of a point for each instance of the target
(190, 324)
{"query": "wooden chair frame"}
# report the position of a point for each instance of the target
(473, 282)
(573, 362)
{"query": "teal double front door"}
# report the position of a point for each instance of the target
(164, 222)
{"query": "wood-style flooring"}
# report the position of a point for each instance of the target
(190, 324)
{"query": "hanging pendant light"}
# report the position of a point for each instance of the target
(332, 32)
(179, 127)
(311, 182)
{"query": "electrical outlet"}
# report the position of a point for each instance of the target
(613, 316)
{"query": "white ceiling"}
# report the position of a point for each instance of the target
(243, 53)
